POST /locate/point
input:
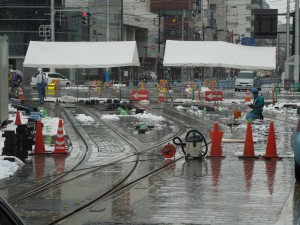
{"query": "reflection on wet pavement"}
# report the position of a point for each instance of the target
(213, 191)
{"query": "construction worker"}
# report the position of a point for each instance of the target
(257, 106)
(42, 83)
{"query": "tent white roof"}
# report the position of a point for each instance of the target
(81, 54)
(219, 54)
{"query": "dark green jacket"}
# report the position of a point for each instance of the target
(258, 105)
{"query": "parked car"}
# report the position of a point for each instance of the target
(8, 216)
(51, 76)
(297, 152)
(246, 80)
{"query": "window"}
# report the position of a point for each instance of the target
(53, 75)
(244, 75)
(213, 8)
(5, 218)
(60, 76)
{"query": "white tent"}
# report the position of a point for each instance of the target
(219, 54)
(81, 54)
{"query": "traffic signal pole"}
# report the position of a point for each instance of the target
(107, 70)
(52, 25)
(297, 44)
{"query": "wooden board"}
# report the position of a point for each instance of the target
(227, 140)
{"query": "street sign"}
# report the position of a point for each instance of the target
(213, 96)
(169, 151)
(137, 95)
(248, 41)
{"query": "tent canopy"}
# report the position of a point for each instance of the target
(219, 54)
(81, 54)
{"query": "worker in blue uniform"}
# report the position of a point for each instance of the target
(257, 106)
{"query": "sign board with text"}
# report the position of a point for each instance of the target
(213, 96)
(137, 95)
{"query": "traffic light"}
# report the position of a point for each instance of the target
(47, 31)
(84, 20)
(42, 31)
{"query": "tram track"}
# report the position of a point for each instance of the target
(116, 187)
(58, 181)
(52, 183)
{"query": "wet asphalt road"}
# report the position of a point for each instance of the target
(213, 191)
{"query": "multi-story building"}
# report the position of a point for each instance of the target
(231, 20)
(20, 20)
(140, 25)
(177, 20)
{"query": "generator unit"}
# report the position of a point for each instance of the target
(195, 145)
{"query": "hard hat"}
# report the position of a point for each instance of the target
(254, 90)
(40, 70)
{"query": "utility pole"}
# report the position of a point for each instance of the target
(122, 15)
(287, 52)
(182, 38)
(158, 52)
(297, 44)
(288, 30)
(107, 72)
(52, 25)
(122, 31)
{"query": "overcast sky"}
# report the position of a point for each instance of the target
(281, 6)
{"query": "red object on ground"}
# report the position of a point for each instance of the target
(248, 96)
(18, 119)
(20, 94)
(271, 150)
(60, 146)
(216, 148)
(161, 97)
(137, 95)
(213, 96)
(39, 139)
(169, 151)
(249, 145)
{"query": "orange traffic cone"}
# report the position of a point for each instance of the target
(20, 94)
(60, 146)
(271, 150)
(249, 145)
(216, 148)
(161, 97)
(39, 139)
(18, 119)
(248, 96)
